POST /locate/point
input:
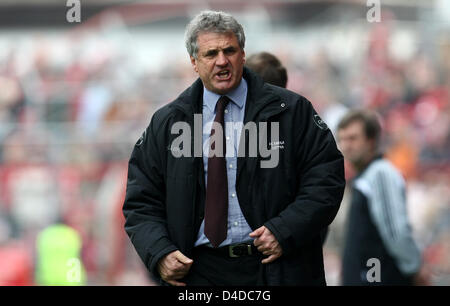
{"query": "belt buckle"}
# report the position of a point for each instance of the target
(231, 250)
(249, 249)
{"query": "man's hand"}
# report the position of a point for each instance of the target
(266, 243)
(174, 266)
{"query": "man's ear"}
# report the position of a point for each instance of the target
(194, 63)
(244, 55)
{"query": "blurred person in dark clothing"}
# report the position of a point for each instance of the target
(269, 67)
(226, 219)
(378, 226)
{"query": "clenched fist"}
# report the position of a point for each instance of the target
(267, 244)
(174, 266)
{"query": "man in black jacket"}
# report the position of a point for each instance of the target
(276, 187)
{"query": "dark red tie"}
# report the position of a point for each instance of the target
(216, 206)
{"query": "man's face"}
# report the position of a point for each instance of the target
(219, 62)
(354, 144)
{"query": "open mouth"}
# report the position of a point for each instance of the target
(223, 75)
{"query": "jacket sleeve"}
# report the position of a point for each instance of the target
(144, 207)
(319, 167)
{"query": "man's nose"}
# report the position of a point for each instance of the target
(222, 60)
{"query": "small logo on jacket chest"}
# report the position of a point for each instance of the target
(276, 145)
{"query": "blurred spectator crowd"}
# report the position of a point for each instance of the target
(68, 124)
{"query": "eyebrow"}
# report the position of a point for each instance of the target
(215, 51)
(211, 52)
(230, 48)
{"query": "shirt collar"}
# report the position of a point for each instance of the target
(237, 96)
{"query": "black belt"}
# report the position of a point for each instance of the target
(234, 250)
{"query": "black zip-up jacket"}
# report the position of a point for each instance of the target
(296, 200)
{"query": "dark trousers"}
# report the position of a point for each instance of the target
(213, 268)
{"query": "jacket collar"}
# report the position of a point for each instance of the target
(190, 100)
(259, 95)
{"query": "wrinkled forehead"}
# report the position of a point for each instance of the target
(216, 40)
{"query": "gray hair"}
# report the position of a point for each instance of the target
(212, 21)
